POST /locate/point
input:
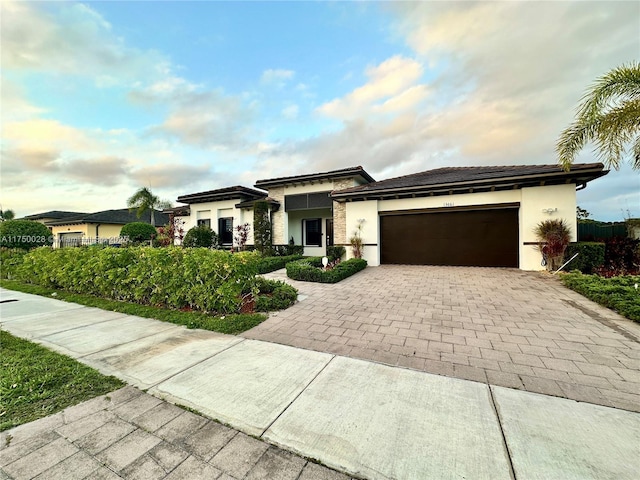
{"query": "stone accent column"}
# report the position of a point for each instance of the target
(278, 217)
(340, 212)
(339, 223)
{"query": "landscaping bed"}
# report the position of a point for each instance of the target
(618, 293)
(36, 382)
(271, 264)
(310, 270)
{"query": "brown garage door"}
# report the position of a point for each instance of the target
(483, 238)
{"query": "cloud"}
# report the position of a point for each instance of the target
(171, 175)
(393, 77)
(290, 112)
(277, 77)
(73, 39)
(104, 171)
(208, 119)
(28, 160)
(46, 134)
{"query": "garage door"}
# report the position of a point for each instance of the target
(484, 238)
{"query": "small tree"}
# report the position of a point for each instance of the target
(138, 232)
(144, 200)
(172, 231)
(357, 245)
(241, 236)
(554, 236)
(6, 215)
(261, 226)
(24, 234)
(581, 213)
(201, 236)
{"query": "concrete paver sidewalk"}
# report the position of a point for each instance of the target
(363, 418)
(504, 327)
(130, 434)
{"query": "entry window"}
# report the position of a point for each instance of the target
(225, 230)
(312, 232)
(205, 221)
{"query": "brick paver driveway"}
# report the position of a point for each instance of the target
(502, 326)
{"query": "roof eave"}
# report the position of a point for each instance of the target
(576, 176)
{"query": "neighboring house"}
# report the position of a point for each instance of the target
(72, 229)
(474, 216)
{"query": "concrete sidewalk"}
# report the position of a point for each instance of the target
(362, 418)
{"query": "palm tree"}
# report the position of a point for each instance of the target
(144, 200)
(6, 215)
(609, 116)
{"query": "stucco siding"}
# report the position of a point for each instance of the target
(216, 210)
(532, 202)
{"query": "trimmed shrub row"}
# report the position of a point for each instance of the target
(591, 256)
(310, 270)
(270, 264)
(274, 295)
(197, 278)
(10, 260)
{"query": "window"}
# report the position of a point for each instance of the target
(312, 232)
(205, 221)
(225, 230)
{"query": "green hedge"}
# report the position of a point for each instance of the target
(198, 278)
(24, 234)
(591, 256)
(274, 295)
(10, 260)
(270, 264)
(138, 232)
(310, 270)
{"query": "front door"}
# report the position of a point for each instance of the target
(329, 231)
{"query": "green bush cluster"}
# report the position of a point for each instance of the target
(310, 270)
(591, 256)
(201, 236)
(10, 260)
(270, 264)
(138, 232)
(617, 293)
(336, 252)
(274, 295)
(198, 278)
(285, 250)
(24, 234)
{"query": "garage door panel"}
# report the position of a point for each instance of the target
(466, 238)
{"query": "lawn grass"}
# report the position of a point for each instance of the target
(616, 293)
(231, 324)
(36, 382)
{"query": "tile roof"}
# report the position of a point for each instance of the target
(467, 176)
(227, 193)
(341, 173)
(118, 217)
(56, 214)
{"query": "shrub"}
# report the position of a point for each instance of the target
(310, 270)
(621, 257)
(270, 264)
(335, 253)
(357, 244)
(286, 250)
(198, 278)
(201, 236)
(24, 234)
(10, 260)
(274, 295)
(555, 236)
(138, 232)
(591, 256)
(261, 226)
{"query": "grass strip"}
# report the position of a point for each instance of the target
(36, 382)
(617, 293)
(230, 324)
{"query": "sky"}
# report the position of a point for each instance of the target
(99, 99)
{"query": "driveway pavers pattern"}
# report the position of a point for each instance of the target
(504, 327)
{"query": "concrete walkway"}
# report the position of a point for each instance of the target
(363, 418)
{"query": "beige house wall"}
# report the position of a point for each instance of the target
(560, 199)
